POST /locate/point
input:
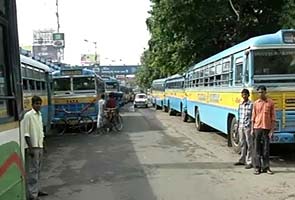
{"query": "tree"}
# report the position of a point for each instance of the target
(183, 32)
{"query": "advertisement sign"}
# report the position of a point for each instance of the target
(88, 59)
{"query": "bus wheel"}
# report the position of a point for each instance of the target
(199, 125)
(234, 136)
(184, 116)
(164, 108)
(170, 111)
(157, 107)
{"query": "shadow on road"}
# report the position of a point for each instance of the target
(98, 166)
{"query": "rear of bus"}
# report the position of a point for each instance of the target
(175, 94)
(158, 93)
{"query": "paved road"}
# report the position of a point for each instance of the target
(157, 157)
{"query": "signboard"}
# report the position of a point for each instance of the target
(71, 72)
(58, 40)
(88, 59)
(48, 52)
(58, 36)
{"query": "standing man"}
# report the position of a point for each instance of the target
(101, 108)
(34, 137)
(244, 130)
(263, 123)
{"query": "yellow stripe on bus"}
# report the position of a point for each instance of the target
(67, 100)
(28, 102)
(9, 126)
(282, 99)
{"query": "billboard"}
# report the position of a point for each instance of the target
(48, 52)
(89, 59)
(58, 40)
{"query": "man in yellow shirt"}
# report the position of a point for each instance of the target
(34, 137)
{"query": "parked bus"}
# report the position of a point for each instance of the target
(158, 93)
(36, 79)
(12, 173)
(112, 85)
(127, 94)
(175, 98)
(74, 89)
(213, 86)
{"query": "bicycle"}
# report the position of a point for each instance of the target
(112, 120)
(74, 120)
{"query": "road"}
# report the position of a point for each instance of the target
(157, 157)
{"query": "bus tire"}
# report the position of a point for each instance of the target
(199, 125)
(170, 111)
(234, 136)
(86, 124)
(164, 108)
(184, 116)
(157, 107)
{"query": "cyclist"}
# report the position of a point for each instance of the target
(111, 103)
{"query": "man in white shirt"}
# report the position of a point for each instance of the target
(100, 115)
(34, 137)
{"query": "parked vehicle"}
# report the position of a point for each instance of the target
(141, 100)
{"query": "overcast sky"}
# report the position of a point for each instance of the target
(118, 27)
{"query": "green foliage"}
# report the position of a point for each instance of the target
(184, 32)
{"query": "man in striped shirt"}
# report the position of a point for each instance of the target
(244, 130)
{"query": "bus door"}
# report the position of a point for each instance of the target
(238, 69)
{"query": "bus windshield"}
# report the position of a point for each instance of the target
(274, 61)
(84, 83)
(62, 84)
(112, 86)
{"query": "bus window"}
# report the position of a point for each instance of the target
(238, 74)
(43, 86)
(25, 84)
(62, 84)
(38, 85)
(84, 83)
(32, 85)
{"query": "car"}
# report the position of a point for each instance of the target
(140, 100)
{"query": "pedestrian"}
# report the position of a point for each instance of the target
(263, 125)
(34, 146)
(100, 115)
(244, 130)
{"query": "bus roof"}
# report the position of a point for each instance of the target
(34, 63)
(161, 80)
(175, 77)
(268, 40)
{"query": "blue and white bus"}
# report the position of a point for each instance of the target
(74, 89)
(158, 93)
(112, 85)
(213, 85)
(36, 80)
(175, 98)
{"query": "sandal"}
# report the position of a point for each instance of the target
(257, 172)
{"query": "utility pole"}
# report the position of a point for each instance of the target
(57, 16)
